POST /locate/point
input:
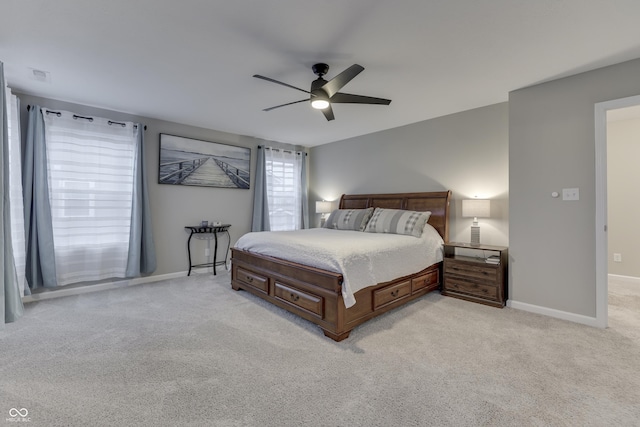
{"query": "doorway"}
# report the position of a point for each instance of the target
(602, 254)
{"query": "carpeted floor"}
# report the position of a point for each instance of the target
(191, 351)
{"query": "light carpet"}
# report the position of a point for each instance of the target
(192, 351)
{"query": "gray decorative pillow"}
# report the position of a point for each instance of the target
(397, 221)
(349, 219)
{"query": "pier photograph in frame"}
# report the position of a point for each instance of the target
(187, 161)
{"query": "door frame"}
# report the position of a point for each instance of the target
(602, 251)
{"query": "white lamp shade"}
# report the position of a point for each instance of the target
(323, 207)
(478, 208)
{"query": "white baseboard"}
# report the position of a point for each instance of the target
(625, 279)
(558, 314)
(62, 292)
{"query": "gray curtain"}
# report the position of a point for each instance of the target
(10, 299)
(260, 220)
(40, 270)
(305, 195)
(142, 252)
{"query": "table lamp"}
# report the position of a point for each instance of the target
(476, 208)
(323, 207)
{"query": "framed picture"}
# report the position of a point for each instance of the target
(186, 161)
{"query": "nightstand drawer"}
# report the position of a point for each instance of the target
(456, 284)
(471, 270)
(391, 293)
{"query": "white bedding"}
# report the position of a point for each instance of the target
(364, 259)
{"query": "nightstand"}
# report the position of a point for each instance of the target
(471, 277)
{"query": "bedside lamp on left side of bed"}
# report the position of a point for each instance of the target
(323, 207)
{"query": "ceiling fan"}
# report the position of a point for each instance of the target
(324, 93)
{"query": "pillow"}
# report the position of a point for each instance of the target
(349, 219)
(397, 221)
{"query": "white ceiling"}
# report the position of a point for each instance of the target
(192, 61)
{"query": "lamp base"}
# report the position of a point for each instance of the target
(475, 235)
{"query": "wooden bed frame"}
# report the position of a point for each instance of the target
(315, 294)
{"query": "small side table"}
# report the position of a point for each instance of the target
(473, 278)
(208, 233)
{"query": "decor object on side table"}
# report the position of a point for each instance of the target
(476, 208)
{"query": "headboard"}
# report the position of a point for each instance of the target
(437, 202)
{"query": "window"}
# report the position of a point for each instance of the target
(90, 164)
(77, 197)
(284, 184)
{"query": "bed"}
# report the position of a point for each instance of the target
(317, 294)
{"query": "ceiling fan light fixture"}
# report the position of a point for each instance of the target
(319, 98)
(319, 104)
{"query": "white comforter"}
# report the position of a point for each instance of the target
(364, 259)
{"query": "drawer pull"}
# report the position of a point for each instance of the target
(395, 293)
(249, 279)
(295, 297)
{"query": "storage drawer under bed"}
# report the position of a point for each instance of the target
(252, 279)
(421, 282)
(303, 300)
(391, 293)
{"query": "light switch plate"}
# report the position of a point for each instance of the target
(570, 194)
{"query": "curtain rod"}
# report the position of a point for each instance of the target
(75, 116)
(284, 151)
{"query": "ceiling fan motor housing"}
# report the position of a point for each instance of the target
(317, 84)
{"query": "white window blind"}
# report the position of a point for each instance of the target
(284, 195)
(15, 185)
(90, 166)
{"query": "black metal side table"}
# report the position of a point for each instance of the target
(208, 233)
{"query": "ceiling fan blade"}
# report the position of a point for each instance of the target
(257, 76)
(347, 98)
(335, 84)
(284, 105)
(328, 113)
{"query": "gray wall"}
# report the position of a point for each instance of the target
(552, 146)
(623, 195)
(465, 152)
(175, 206)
